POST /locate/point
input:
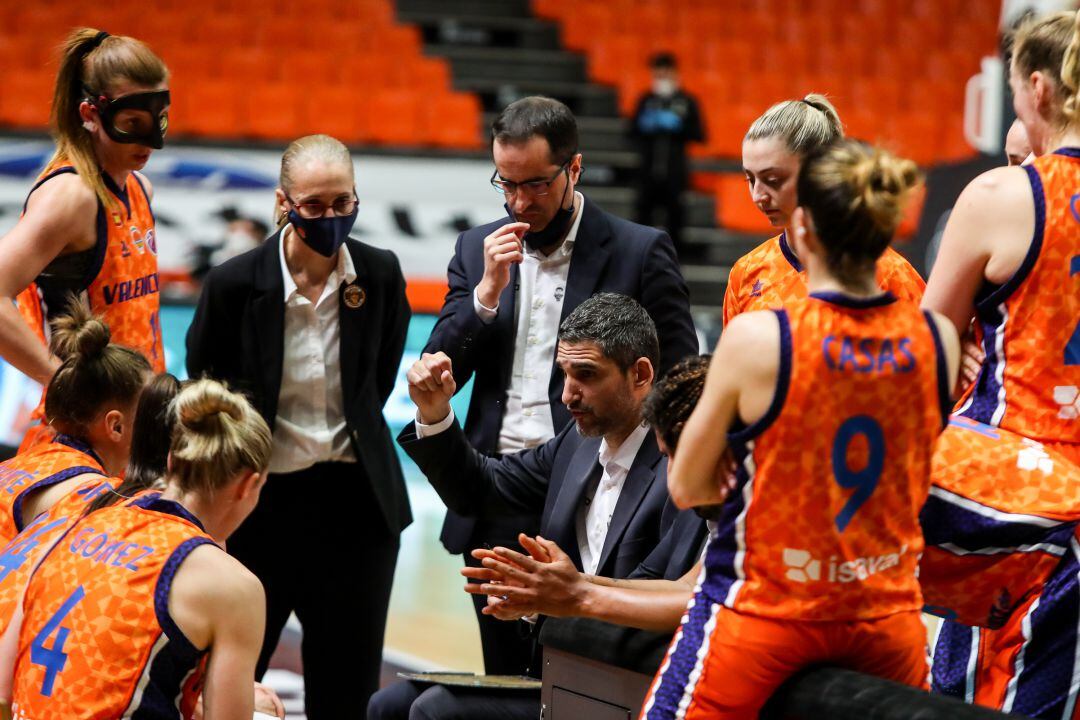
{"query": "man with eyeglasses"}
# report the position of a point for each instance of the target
(512, 282)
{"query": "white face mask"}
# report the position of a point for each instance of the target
(664, 87)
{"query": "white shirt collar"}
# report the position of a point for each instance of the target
(623, 457)
(567, 245)
(345, 268)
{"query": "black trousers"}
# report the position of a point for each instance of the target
(407, 700)
(666, 194)
(319, 543)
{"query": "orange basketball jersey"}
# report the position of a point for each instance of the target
(824, 521)
(54, 462)
(120, 281)
(770, 276)
(998, 521)
(20, 556)
(1030, 380)
(97, 640)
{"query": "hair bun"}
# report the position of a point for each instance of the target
(203, 407)
(882, 183)
(78, 333)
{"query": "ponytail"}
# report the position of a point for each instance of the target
(151, 435)
(804, 126)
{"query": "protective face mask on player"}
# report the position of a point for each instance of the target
(139, 118)
(326, 234)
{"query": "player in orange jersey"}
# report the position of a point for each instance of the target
(1011, 257)
(1010, 253)
(87, 227)
(814, 559)
(90, 405)
(137, 609)
(774, 148)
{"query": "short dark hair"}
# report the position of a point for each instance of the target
(663, 60)
(542, 116)
(618, 324)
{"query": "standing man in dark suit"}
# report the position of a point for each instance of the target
(599, 486)
(312, 326)
(512, 282)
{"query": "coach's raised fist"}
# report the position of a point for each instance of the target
(431, 385)
(502, 248)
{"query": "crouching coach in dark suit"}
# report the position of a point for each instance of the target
(312, 326)
(599, 486)
(512, 281)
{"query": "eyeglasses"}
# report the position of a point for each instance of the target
(535, 187)
(313, 210)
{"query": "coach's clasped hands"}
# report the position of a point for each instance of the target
(431, 385)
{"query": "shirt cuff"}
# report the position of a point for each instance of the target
(486, 314)
(423, 431)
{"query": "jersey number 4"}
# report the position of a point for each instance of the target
(863, 481)
(54, 659)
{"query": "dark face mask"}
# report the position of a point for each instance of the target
(326, 234)
(139, 118)
(554, 231)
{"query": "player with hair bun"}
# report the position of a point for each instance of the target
(814, 558)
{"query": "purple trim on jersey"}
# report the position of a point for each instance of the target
(76, 444)
(838, 298)
(720, 553)
(986, 396)
(54, 479)
(146, 196)
(120, 192)
(1069, 152)
(944, 392)
(1045, 677)
(171, 666)
(42, 181)
(789, 254)
(687, 647)
(952, 660)
(155, 502)
(946, 523)
(783, 382)
(164, 584)
(1003, 292)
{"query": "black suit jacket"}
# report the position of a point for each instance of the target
(610, 255)
(551, 481)
(238, 336)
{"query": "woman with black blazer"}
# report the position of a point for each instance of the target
(311, 325)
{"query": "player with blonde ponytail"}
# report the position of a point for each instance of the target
(87, 228)
(851, 374)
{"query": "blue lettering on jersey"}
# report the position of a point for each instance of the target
(865, 355)
(95, 546)
(12, 479)
(130, 289)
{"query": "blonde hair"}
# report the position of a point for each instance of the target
(217, 435)
(855, 195)
(1052, 44)
(96, 64)
(805, 126)
(94, 373)
(323, 148)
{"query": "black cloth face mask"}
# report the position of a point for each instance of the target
(139, 118)
(554, 230)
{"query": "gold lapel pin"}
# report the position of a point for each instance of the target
(354, 296)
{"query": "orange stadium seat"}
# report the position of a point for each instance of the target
(734, 208)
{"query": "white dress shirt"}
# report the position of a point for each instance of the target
(541, 287)
(594, 516)
(310, 425)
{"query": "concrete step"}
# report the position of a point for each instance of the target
(447, 27)
(468, 8)
(583, 99)
(512, 64)
(706, 283)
